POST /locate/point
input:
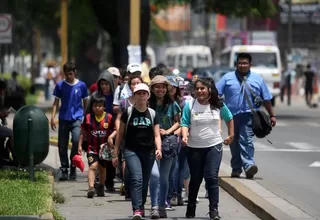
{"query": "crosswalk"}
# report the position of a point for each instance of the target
(284, 147)
(311, 124)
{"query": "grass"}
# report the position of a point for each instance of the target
(32, 99)
(19, 196)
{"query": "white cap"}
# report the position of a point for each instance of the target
(141, 87)
(134, 67)
(114, 71)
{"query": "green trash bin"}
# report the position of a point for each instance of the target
(30, 135)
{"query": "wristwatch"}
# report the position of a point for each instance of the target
(272, 116)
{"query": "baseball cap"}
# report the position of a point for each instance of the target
(134, 67)
(141, 87)
(114, 71)
(172, 80)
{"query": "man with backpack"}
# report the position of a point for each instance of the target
(123, 91)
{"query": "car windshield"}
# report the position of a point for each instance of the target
(263, 59)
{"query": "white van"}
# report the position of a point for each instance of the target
(266, 61)
(190, 56)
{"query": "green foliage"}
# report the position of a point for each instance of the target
(20, 196)
(24, 81)
(157, 35)
(240, 8)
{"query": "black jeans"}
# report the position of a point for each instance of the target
(204, 163)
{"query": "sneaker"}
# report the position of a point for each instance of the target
(168, 206)
(191, 211)
(154, 213)
(100, 190)
(235, 174)
(251, 171)
(122, 190)
(180, 201)
(73, 173)
(174, 201)
(214, 214)
(90, 193)
(142, 212)
(185, 197)
(137, 215)
(162, 212)
(111, 189)
(127, 197)
(198, 199)
(64, 174)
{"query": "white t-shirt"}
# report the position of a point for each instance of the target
(125, 93)
(204, 129)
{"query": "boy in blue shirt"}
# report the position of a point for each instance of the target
(73, 95)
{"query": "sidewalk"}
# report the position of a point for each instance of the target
(113, 206)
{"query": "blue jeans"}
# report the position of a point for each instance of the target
(172, 191)
(204, 163)
(164, 170)
(154, 184)
(139, 165)
(65, 127)
(242, 149)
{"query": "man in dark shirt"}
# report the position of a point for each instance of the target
(309, 77)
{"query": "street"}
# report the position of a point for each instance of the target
(290, 167)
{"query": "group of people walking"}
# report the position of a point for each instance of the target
(158, 135)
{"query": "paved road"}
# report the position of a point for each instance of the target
(290, 167)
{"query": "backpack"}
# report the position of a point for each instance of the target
(120, 90)
(151, 111)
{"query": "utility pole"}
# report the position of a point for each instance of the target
(134, 49)
(289, 51)
(64, 32)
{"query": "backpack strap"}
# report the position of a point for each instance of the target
(129, 112)
(153, 115)
(120, 90)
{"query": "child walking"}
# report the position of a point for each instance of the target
(98, 127)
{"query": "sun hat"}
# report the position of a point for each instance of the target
(159, 80)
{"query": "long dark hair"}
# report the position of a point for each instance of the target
(166, 100)
(215, 101)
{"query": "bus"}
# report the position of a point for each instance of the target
(266, 61)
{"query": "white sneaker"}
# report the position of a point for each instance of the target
(185, 197)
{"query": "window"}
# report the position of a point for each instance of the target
(203, 60)
(263, 59)
(225, 59)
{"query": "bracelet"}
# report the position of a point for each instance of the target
(272, 116)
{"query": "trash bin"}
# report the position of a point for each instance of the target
(30, 129)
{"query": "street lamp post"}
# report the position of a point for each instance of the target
(289, 51)
(134, 49)
(64, 31)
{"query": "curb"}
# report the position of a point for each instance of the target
(49, 215)
(54, 142)
(257, 205)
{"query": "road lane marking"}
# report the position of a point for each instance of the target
(258, 145)
(302, 146)
(315, 164)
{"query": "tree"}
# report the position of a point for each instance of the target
(240, 8)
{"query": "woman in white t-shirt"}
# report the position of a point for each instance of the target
(201, 133)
